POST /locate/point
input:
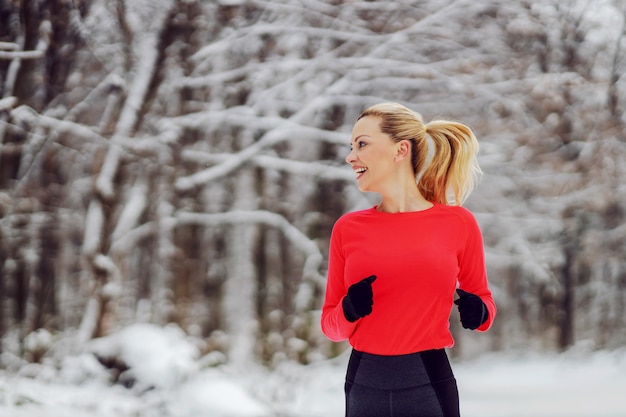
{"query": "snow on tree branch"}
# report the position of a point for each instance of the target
(13, 52)
(295, 236)
(149, 20)
(29, 115)
(313, 168)
(93, 224)
(282, 130)
(9, 46)
(244, 35)
(125, 242)
(132, 211)
(229, 165)
(7, 103)
(113, 81)
(245, 117)
(21, 54)
(147, 57)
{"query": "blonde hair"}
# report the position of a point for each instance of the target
(453, 167)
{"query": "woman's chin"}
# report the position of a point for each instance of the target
(363, 188)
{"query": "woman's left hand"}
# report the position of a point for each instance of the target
(472, 310)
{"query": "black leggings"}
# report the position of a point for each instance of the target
(415, 385)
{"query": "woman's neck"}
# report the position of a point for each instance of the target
(403, 201)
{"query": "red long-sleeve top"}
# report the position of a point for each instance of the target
(418, 258)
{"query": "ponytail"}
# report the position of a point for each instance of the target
(453, 166)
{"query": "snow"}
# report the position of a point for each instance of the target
(172, 380)
(544, 385)
(133, 209)
(157, 357)
(95, 218)
(212, 393)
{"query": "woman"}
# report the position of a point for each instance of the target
(394, 268)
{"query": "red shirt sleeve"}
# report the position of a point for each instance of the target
(472, 269)
(334, 324)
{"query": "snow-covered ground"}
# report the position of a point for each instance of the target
(172, 381)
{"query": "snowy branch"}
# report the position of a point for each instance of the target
(111, 82)
(132, 211)
(147, 56)
(93, 226)
(295, 236)
(36, 54)
(7, 103)
(29, 115)
(244, 117)
(236, 160)
(242, 36)
(125, 242)
(314, 169)
(9, 46)
(226, 167)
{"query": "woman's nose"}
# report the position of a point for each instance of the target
(350, 157)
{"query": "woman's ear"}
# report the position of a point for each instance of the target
(403, 150)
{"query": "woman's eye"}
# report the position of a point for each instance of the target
(359, 144)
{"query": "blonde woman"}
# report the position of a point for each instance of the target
(394, 268)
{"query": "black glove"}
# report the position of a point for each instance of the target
(359, 300)
(472, 310)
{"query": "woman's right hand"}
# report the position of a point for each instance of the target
(359, 300)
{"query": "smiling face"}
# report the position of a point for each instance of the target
(373, 156)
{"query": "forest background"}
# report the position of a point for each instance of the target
(181, 162)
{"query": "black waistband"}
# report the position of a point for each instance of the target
(398, 371)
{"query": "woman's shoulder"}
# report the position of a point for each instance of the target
(357, 214)
(458, 211)
(354, 216)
